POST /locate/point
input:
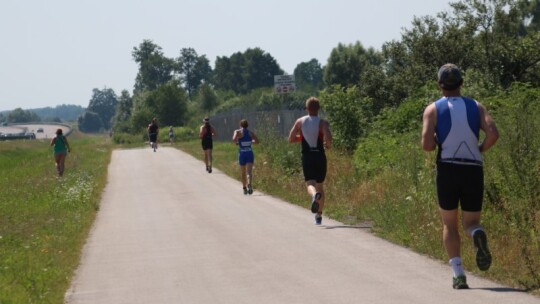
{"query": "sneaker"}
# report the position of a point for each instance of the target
(460, 282)
(483, 256)
(318, 219)
(315, 203)
(209, 169)
(245, 191)
(250, 189)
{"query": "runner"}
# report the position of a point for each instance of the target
(153, 131)
(171, 134)
(314, 133)
(452, 124)
(244, 139)
(206, 132)
(61, 149)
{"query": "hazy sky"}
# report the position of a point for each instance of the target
(55, 52)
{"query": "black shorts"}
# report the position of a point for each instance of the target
(207, 144)
(460, 184)
(314, 166)
(153, 137)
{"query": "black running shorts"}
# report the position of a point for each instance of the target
(207, 144)
(314, 166)
(460, 184)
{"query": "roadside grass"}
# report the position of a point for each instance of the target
(399, 206)
(44, 220)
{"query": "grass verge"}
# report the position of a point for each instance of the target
(44, 219)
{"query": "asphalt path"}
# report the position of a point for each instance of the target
(169, 232)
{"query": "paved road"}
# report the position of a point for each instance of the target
(49, 131)
(168, 232)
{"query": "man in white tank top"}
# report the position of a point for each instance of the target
(452, 124)
(315, 136)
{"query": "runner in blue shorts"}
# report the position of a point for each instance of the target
(244, 139)
(314, 134)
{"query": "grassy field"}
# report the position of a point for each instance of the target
(44, 220)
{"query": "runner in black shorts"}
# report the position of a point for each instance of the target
(453, 124)
(153, 131)
(315, 135)
(206, 132)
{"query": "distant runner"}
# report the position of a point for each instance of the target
(171, 135)
(206, 132)
(244, 139)
(61, 149)
(153, 131)
(453, 124)
(314, 133)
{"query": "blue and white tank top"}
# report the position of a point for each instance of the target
(244, 143)
(458, 128)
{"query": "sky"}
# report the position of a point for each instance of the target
(57, 51)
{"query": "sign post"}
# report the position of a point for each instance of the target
(284, 84)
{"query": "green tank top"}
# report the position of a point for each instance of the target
(60, 144)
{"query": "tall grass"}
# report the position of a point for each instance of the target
(44, 219)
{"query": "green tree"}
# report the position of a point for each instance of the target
(207, 97)
(193, 69)
(309, 74)
(346, 63)
(154, 68)
(243, 72)
(103, 103)
(349, 114)
(90, 122)
(124, 109)
(168, 103)
(22, 116)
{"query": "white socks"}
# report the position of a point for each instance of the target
(473, 231)
(455, 263)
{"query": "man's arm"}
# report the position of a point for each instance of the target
(327, 140)
(214, 133)
(428, 128)
(294, 134)
(488, 126)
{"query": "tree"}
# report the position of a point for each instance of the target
(22, 116)
(243, 72)
(309, 74)
(90, 122)
(193, 69)
(207, 97)
(154, 68)
(347, 62)
(103, 103)
(123, 112)
(168, 103)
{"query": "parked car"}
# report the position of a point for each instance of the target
(40, 130)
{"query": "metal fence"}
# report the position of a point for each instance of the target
(278, 122)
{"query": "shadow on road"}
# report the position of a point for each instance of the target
(367, 226)
(500, 289)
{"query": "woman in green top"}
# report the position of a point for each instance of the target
(61, 148)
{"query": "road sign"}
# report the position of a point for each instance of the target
(284, 83)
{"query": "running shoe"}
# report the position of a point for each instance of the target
(460, 282)
(209, 169)
(315, 203)
(318, 219)
(483, 256)
(250, 189)
(245, 191)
